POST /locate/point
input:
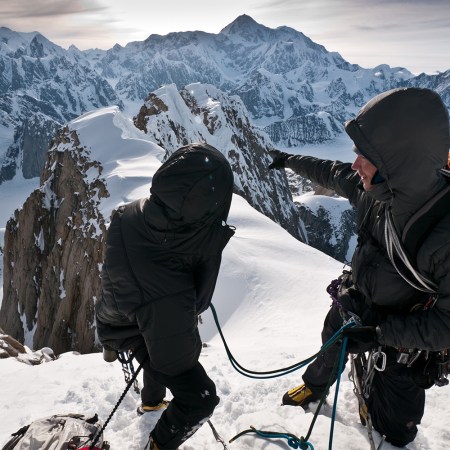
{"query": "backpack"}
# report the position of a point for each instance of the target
(58, 432)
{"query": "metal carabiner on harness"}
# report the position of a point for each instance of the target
(375, 356)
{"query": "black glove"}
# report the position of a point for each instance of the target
(279, 159)
(361, 339)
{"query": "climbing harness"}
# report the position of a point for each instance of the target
(294, 441)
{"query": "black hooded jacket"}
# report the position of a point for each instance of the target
(163, 257)
(405, 134)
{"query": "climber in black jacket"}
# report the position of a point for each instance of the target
(163, 255)
(401, 139)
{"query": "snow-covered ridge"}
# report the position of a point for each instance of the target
(203, 113)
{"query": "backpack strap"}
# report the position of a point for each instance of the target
(15, 438)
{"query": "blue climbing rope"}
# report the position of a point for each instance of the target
(338, 381)
(293, 441)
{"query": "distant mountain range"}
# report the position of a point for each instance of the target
(244, 91)
(293, 88)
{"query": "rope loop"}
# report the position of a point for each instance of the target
(303, 445)
(292, 440)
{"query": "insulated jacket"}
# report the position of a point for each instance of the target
(405, 134)
(162, 259)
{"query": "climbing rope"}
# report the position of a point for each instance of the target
(276, 372)
(294, 441)
(303, 442)
(127, 388)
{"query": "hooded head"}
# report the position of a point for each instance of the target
(405, 134)
(194, 185)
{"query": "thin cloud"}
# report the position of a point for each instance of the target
(46, 8)
(343, 4)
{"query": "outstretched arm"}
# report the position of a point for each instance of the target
(333, 175)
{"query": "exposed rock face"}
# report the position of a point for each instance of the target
(439, 83)
(36, 134)
(331, 235)
(53, 254)
(9, 347)
(330, 220)
(29, 150)
(203, 113)
(303, 129)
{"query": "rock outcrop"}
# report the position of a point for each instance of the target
(53, 253)
(11, 348)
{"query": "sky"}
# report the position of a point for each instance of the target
(410, 33)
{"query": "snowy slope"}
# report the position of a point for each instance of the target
(271, 302)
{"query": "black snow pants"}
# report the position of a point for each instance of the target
(396, 402)
(194, 400)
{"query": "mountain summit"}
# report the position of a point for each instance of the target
(246, 27)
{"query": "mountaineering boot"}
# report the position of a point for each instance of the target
(153, 445)
(142, 409)
(300, 396)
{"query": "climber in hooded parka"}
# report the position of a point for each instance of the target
(401, 139)
(162, 260)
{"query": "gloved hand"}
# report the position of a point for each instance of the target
(361, 339)
(279, 159)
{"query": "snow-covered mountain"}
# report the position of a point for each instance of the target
(42, 86)
(54, 243)
(292, 87)
(203, 113)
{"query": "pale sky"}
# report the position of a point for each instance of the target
(411, 33)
